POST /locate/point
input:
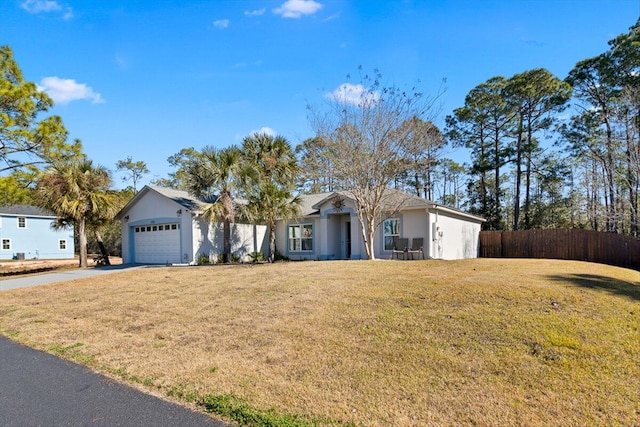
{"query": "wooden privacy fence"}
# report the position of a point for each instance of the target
(574, 244)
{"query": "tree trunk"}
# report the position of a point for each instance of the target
(226, 231)
(498, 214)
(82, 236)
(103, 250)
(367, 235)
(612, 217)
(272, 242)
(516, 198)
(527, 195)
(632, 183)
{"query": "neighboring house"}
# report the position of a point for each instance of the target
(26, 233)
(329, 229)
(163, 226)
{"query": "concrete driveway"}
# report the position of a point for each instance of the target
(63, 276)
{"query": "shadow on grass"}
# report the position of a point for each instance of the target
(592, 281)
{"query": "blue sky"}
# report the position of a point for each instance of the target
(148, 78)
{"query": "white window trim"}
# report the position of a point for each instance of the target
(301, 226)
(25, 221)
(2, 244)
(60, 248)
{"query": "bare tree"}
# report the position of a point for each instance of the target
(362, 127)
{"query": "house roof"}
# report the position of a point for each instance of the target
(181, 197)
(312, 202)
(26, 210)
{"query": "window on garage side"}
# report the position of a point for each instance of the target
(62, 244)
(6, 244)
(391, 233)
(301, 237)
(22, 222)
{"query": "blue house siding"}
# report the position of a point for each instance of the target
(33, 236)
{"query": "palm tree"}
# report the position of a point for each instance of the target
(217, 174)
(272, 158)
(270, 189)
(267, 203)
(78, 193)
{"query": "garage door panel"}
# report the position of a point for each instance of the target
(157, 244)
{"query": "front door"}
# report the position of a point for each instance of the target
(347, 239)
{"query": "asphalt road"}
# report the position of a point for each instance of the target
(38, 389)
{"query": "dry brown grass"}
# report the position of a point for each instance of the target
(481, 342)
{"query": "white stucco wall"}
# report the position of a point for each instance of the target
(413, 224)
(456, 236)
(245, 239)
(446, 233)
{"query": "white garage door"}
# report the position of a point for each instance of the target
(157, 244)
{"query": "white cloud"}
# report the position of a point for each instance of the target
(297, 8)
(265, 129)
(257, 12)
(353, 94)
(221, 23)
(63, 91)
(121, 62)
(47, 6)
(68, 14)
(41, 6)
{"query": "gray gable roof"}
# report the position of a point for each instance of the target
(181, 197)
(311, 202)
(25, 210)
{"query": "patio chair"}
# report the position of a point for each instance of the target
(416, 247)
(401, 247)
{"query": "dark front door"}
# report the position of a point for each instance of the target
(347, 239)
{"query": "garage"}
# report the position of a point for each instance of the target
(157, 244)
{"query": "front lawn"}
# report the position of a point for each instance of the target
(481, 342)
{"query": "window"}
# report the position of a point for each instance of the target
(6, 244)
(22, 222)
(301, 237)
(62, 245)
(391, 233)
